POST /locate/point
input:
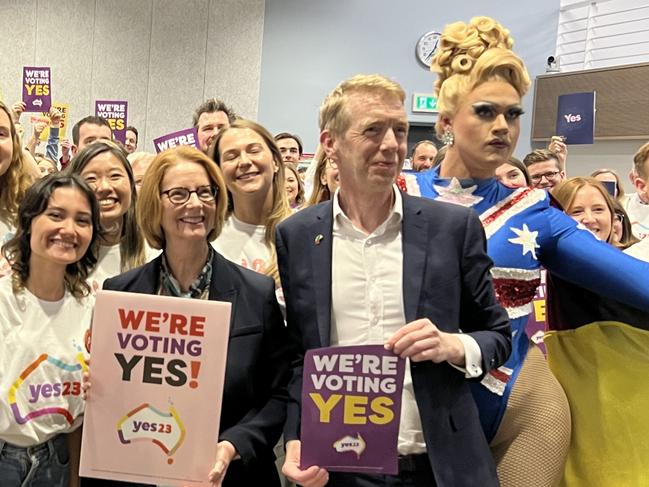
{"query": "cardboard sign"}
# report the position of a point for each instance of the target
(535, 327)
(64, 108)
(576, 117)
(174, 139)
(351, 409)
(116, 112)
(37, 89)
(157, 366)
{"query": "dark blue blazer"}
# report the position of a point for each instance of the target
(257, 367)
(446, 279)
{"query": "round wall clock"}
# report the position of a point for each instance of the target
(426, 47)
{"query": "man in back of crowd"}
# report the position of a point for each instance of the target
(130, 143)
(290, 146)
(423, 155)
(637, 204)
(209, 118)
(140, 162)
(86, 131)
(544, 169)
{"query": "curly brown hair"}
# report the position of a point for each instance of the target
(18, 250)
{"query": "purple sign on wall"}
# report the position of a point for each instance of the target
(116, 112)
(351, 408)
(37, 89)
(182, 137)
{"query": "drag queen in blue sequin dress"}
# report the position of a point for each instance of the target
(480, 84)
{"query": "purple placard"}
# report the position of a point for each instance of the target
(37, 89)
(182, 137)
(576, 117)
(351, 408)
(535, 327)
(116, 112)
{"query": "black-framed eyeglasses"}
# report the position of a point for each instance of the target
(547, 175)
(179, 196)
(619, 216)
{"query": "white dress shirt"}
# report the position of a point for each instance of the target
(367, 302)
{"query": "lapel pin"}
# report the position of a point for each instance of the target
(318, 239)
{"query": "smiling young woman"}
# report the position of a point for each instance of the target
(254, 176)
(45, 311)
(14, 179)
(103, 165)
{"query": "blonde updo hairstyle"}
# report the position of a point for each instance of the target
(471, 54)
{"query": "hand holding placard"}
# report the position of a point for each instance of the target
(158, 367)
(421, 340)
(351, 406)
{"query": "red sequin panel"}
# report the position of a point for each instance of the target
(491, 218)
(512, 293)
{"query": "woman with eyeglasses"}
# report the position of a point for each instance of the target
(523, 408)
(182, 208)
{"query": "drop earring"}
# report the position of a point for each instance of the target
(448, 138)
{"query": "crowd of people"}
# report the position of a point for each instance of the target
(453, 248)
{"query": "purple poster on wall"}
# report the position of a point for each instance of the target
(37, 89)
(116, 112)
(174, 139)
(351, 408)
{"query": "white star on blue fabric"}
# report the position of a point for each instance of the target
(526, 238)
(455, 193)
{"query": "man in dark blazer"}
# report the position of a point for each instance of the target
(377, 266)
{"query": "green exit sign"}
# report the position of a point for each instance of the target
(424, 102)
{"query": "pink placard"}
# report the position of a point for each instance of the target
(157, 368)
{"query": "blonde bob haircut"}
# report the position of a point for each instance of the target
(149, 208)
(471, 54)
(333, 113)
(16, 180)
(566, 192)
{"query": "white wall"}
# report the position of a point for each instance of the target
(312, 45)
(164, 56)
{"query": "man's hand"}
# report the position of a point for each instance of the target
(225, 452)
(421, 340)
(55, 117)
(65, 148)
(17, 110)
(313, 476)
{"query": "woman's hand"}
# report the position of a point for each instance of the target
(225, 453)
(17, 110)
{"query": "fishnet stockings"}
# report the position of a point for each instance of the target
(532, 442)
